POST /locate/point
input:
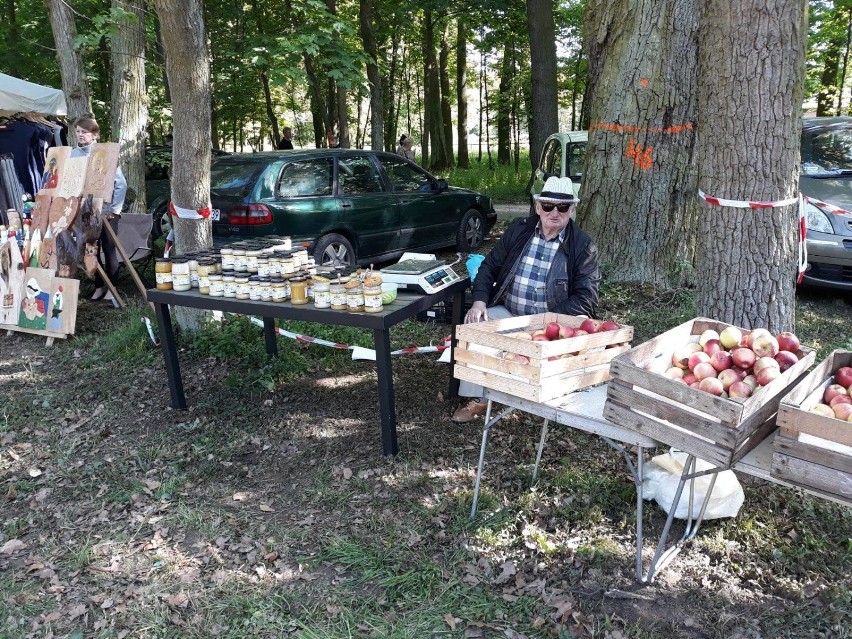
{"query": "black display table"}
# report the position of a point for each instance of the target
(405, 306)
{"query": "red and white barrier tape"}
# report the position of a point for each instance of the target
(803, 226)
(189, 214)
(827, 207)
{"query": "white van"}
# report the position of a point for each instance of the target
(563, 155)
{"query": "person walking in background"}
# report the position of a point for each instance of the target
(88, 132)
(404, 149)
(332, 139)
(541, 263)
(286, 139)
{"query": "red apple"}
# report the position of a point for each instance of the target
(539, 331)
(822, 409)
(764, 345)
(765, 362)
(695, 384)
(711, 385)
(712, 346)
(843, 376)
(748, 339)
(707, 335)
(566, 331)
(743, 357)
(842, 411)
(609, 325)
(703, 371)
(689, 378)
(674, 373)
(721, 360)
(730, 337)
(741, 372)
(522, 335)
(580, 331)
(552, 330)
(751, 381)
(739, 389)
(728, 376)
(786, 359)
(787, 341)
(832, 391)
(768, 375)
(840, 399)
(590, 325)
(697, 358)
(540, 337)
(680, 357)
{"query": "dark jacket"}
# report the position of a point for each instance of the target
(573, 278)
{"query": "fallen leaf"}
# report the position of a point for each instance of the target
(267, 508)
(451, 621)
(108, 603)
(34, 472)
(13, 545)
(241, 496)
(507, 572)
(77, 611)
(152, 484)
(180, 600)
(347, 473)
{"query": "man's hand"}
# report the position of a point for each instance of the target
(477, 313)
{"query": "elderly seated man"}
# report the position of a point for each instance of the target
(544, 262)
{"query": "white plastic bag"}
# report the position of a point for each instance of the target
(661, 476)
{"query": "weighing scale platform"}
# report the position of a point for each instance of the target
(425, 276)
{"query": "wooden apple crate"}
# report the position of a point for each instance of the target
(478, 356)
(716, 429)
(812, 450)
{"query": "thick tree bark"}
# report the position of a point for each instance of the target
(185, 41)
(432, 101)
(377, 124)
(130, 99)
(749, 97)
(446, 98)
(74, 82)
(544, 108)
(504, 106)
(463, 157)
(640, 173)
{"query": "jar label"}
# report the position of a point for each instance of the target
(262, 270)
(230, 289)
(180, 279)
(204, 282)
(216, 288)
(373, 301)
(164, 278)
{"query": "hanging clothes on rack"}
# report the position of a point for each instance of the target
(27, 142)
(11, 192)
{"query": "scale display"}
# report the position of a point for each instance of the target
(423, 276)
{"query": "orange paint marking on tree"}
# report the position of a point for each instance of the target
(622, 128)
(643, 82)
(642, 158)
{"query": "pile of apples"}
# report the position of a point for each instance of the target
(837, 397)
(556, 331)
(732, 363)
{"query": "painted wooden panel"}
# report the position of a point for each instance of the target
(73, 177)
(100, 174)
(62, 317)
(11, 282)
(35, 304)
(41, 212)
(54, 167)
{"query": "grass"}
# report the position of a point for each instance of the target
(502, 182)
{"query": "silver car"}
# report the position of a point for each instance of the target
(826, 182)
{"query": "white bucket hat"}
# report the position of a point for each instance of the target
(558, 190)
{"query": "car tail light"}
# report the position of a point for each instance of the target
(250, 214)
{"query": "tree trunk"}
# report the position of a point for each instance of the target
(13, 39)
(828, 80)
(130, 99)
(185, 41)
(446, 109)
(392, 97)
(748, 256)
(342, 118)
(74, 82)
(270, 107)
(639, 172)
(544, 107)
(844, 65)
(377, 124)
(463, 158)
(504, 102)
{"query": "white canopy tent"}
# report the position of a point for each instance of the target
(20, 96)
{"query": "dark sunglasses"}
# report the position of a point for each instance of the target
(547, 207)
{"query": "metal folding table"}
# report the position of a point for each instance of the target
(405, 306)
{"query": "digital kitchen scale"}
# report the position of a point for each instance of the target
(423, 276)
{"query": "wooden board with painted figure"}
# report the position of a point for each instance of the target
(54, 167)
(41, 212)
(73, 177)
(63, 212)
(11, 283)
(62, 318)
(35, 303)
(47, 254)
(100, 173)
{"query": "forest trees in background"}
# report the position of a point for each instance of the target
(830, 39)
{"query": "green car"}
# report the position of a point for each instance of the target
(350, 206)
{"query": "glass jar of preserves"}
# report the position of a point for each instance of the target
(229, 286)
(242, 284)
(180, 274)
(240, 265)
(355, 299)
(300, 258)
(206, 268)
(192, 262)
(163, 273)
(254, 288)
(274, 267)
(251, 260)
(288, 265)
(217, 288)
(263, 266)
(322, 294)
(338, 296)
(278, 290)
(298, 290)
(227, 255)
(373, 299)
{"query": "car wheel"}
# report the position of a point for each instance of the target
(162, 222)
(334, 250)
(471, 231)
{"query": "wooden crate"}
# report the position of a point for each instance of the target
(480, 356)
(716, 429)
(812, 450)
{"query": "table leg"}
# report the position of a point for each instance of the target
(387, 411)
(167, 343)
(458, 307)
(270, 336)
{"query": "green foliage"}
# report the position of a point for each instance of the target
(501, 182)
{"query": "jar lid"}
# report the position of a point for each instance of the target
(162, 260)
(297, 278)
(262, 279)
(206, 261)
(179, 260)
(225, 249)
(254, 278)
(244, 278)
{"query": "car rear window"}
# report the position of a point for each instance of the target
(827, 150)
(306, 178)
(234, 179)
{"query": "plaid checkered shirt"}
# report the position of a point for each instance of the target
(526, 295)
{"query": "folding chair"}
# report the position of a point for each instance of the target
(134, 233)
